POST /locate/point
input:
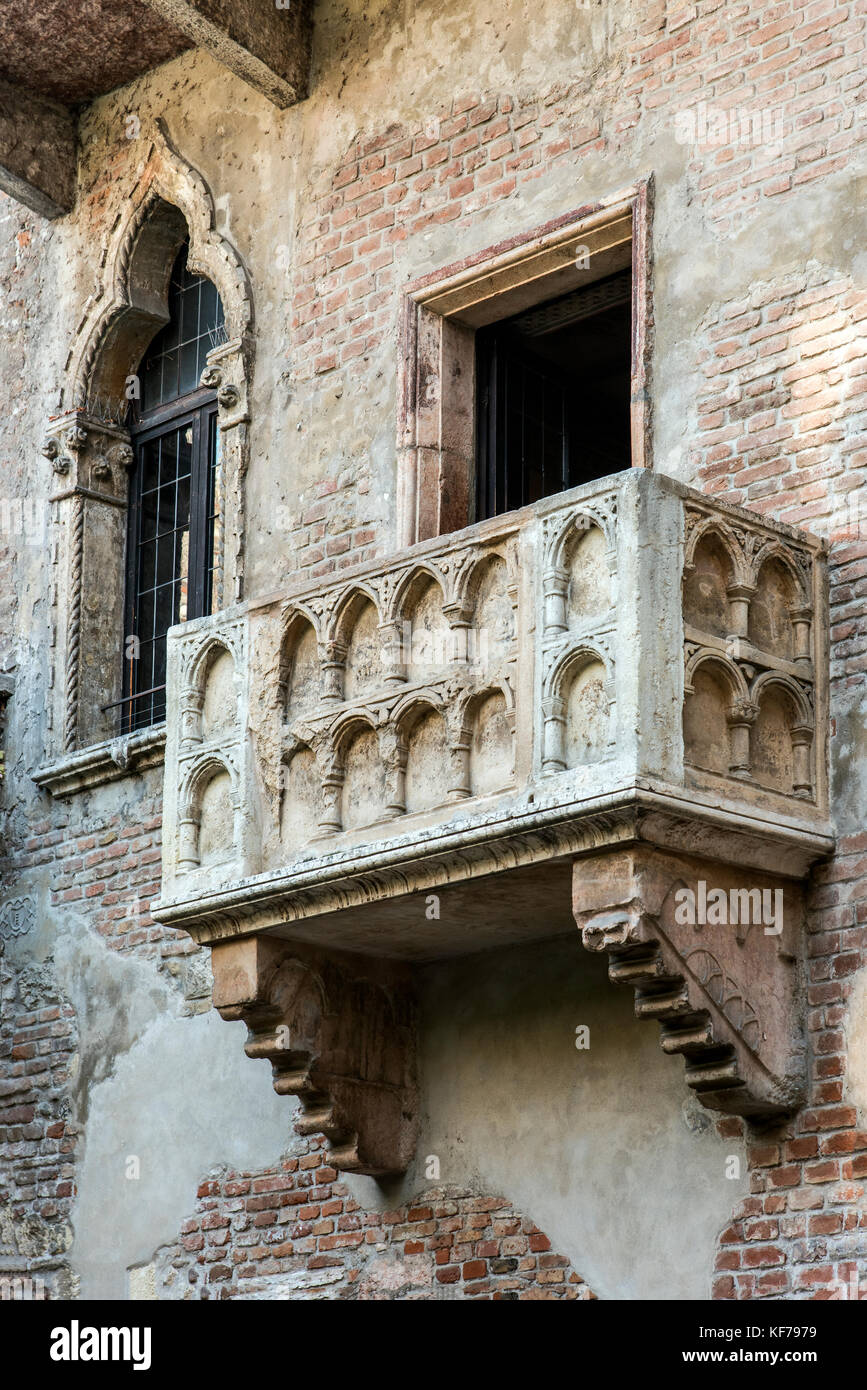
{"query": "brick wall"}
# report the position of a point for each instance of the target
(37, 1144)
(762, 97)
(780, 429)
(295, 1231)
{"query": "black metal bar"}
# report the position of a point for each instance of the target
(130, 699)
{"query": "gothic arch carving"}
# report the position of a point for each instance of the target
(801, 706)
(559, 537)
(352, 658)
(563, 544)
(566, 728)
(702, 528)
(200, 774)
(473, 575)
(410, 587)
(776, 550)
(568, 662)
(296, 698)
(170, 202)
(782, 736)
(347, 727)
(731, 672)
(88, 445)
(200, 668)
(416, 745)
(194, 689)
(295, 616)
(413, 707)
(346, 609)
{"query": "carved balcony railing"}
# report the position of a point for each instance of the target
(494, 698)
(560, 714)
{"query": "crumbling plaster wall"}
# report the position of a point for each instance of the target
(604, 1145)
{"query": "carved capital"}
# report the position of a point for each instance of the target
(339, 1034)
(76, 437)
(121, 454)
(742, 712)
(211, 378)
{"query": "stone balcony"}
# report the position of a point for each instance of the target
(566, 714)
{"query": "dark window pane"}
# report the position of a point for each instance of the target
(147, 565)
(166, 516)
(190, 313)
(183, 507)
(166, 572)
(145, 617)
(165, 608)
(538, 375)
(145, 666)
(159, 668)
(175, 494)
(149, 464)
(174, 361)
(149, 516)
(189, 368)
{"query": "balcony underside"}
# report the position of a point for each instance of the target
(512, 883)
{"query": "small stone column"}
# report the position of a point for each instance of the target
(395, 637)
(556, 588)
(741, 717)
(802, 742)
(331, 819)
(188, 847)
(554, 745)
(332, 661)
(459, 769)
(191, 703)
(393, 751)
(802, 624)
(739, 596)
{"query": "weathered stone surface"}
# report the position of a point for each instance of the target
(72, 52)
(495, 699)
(267, 45)
(425, 143)
(37, 150)
(724, 984)
(339, 1034)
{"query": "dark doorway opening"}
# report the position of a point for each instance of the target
(553, 396)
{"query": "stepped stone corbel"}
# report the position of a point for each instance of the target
(711, 953)
(339, 1032)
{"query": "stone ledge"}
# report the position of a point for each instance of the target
(103, 762)
(357, 899)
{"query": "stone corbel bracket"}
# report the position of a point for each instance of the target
(339, 1032)
(726, 994)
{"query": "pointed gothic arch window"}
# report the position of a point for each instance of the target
(175, 497)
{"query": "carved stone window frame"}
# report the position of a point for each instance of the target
(90, 454)
(436, 361)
